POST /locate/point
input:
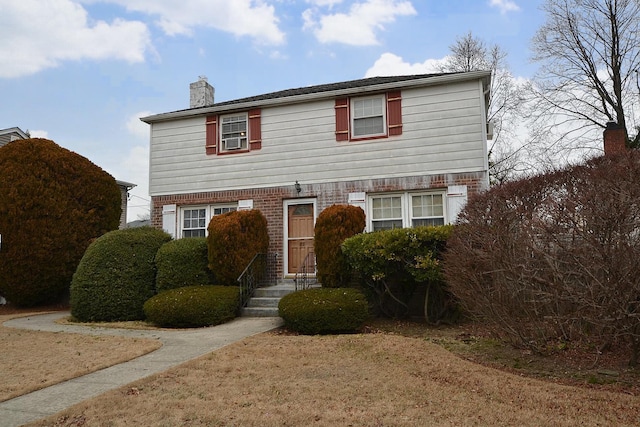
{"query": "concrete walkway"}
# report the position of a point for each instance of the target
(177, 347)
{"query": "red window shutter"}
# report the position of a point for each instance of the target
(255, 131)
(212, 134)
(342, 119)
(394, 113)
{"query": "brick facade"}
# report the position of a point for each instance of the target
(270, 200)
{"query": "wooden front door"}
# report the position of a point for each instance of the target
(300, 234)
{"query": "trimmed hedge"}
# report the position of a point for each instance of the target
(334, 225)
(193, 306)
(117, 275)
(324, 310)
(394, 263)
(53, 203)
(181, 263)
(234, 239)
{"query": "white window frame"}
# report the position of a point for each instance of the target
(353, 118)
(183, 212)
(210, 212)
(244, 136)
(406, 205)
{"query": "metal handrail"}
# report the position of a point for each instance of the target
(253, 275)
(306, 274)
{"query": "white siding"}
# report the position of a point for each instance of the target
(442, 133)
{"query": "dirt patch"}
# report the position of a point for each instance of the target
(371, 379)
(32, 360)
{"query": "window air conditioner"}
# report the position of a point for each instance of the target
(232, 143)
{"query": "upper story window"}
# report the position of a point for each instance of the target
(369, 117)
(233, 132)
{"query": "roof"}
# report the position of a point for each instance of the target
(306, 93)
(127, 185)
(6, 135)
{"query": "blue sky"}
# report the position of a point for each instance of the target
(81, 72)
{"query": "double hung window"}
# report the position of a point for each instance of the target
(397, 210)
(195, 220)
(233, 132)
(368, 116)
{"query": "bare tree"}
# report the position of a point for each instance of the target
(589, 51)
(470, 53)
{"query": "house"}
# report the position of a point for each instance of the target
(408, 150)
(12, 134)
(124, 200)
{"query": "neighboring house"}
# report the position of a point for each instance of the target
(406, 149)
(11, 134)
(124, 199)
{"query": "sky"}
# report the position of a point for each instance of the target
(82, 72)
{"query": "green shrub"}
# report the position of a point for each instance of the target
(116, 275)
(53, 203)
(234, 239)
(334, 225)
(324, 310)
(394, 263)
(193, 306)
(181, 263)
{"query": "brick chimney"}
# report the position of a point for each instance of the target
(615, 138)
(200, 93)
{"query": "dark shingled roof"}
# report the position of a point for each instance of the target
(351, 84)
(370, 82)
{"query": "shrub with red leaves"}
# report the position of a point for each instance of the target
(234, 239)
(334, 225)
(53, 202)
(555, 256)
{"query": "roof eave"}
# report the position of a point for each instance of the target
(485, 76)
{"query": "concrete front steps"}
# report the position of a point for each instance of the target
(264, 302)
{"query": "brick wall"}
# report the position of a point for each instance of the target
(270, 200)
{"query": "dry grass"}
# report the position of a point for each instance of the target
(374, 379)
(31, 360)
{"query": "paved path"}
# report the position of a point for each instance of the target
(177, 347)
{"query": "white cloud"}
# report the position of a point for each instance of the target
(392, 65)
(253, 18)
(39, 134)
(137, 127)
(327, 3)
(41, 34)
(357, 27)
(133, 167)
(505, 6)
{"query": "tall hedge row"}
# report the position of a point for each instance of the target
(555, 256)
(53, 203)
(234, 239)
(117, 275)
(335, 224)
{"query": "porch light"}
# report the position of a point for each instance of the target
(298, 187)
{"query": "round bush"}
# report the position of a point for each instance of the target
(335, 224)
(193, 306)
(116, 275)
(181, 263)
(234, 239)
(53, 203)
(324, 310)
